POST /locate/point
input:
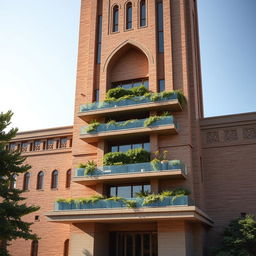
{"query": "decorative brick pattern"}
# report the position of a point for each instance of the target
(249, 133)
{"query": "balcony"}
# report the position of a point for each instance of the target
(174, 169)
(106, 211)
(164, 125)
(135, 104)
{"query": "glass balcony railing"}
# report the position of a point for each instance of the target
(133, 169)
(127, 102)
(130, 124)
(111, 204)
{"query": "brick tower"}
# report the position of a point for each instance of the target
(126, 44)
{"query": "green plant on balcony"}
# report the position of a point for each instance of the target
(128, 122)
(156, 164)
(152, 198)
(142, 194)
(92, 126)
(130, 204)
(139, 90)
(94, 198)
(153, 119)
(112, 158)
(132, 156)
(138, 155)
(117, 93)
(117, 199)
(89, 167)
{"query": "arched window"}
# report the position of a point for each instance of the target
(66, 247)
(68, 178)
(13, 183)
(143, 19)
(26, 181)
(129, 15)
(34, 248)
(115, 18)
(40, 180)
(54, 183)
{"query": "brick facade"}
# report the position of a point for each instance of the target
(214, 150)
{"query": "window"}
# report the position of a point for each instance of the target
(97, 95)
(54, 183)
(131, 83)
(40, 180)
(133, 244)
(34, 248)
(124, 148)
(99, 39)
(128, 191)
(115, 18)
(12, 146)
(26, 181)
(63, 142)
(142, 13)
(24, 147)
(13, 183)
(36, 146)
(49, 144)
(68, 178)
(160, 27)
(161, 85)
(66, 247)
(129, 15)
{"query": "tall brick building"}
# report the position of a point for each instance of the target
(127, 43)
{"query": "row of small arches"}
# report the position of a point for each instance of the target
(40, 180)
(128, 16)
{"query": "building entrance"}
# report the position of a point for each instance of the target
(133, 244)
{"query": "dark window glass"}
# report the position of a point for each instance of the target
(128, 191)
(161, 85)
(129, 15)
(131, 83)
(124, 148)
(50, 144)
(142, 13)
(37, 144)
(12, 146)
(13, 183)
(160, 27)
(26, 181)
(68, 178)
(146, 245)
(134, 146)
(63, 142)
(40, 180)
(154, 244)
(66, 247)
(34, 248)
(99, 39)
(96, 95)
(24, 147)
(129, 245)
(54, 179)
(114, 149)
(115, 18)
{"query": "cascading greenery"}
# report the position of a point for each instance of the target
(148, 198)
(120, 94)
(132, 156)
(92, 126)
(89, 167)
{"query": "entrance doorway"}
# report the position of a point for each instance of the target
(133, 244)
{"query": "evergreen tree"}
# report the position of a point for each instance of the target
(12, 209)
(239, 238)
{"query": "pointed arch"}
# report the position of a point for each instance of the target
(125, 44)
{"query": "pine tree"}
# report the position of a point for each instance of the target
(12, 207)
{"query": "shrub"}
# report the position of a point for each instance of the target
(89, 167)
(138, 155)
(151, 199)
(92, 126)
(117, 93)
(112, 158)
(132, 156)
(130, 204)
(139, 90)
(239, 238)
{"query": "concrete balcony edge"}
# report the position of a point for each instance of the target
(191, 213)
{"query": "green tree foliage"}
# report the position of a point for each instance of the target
(11, 207)
(239, 238)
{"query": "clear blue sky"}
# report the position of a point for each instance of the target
(38, 56)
